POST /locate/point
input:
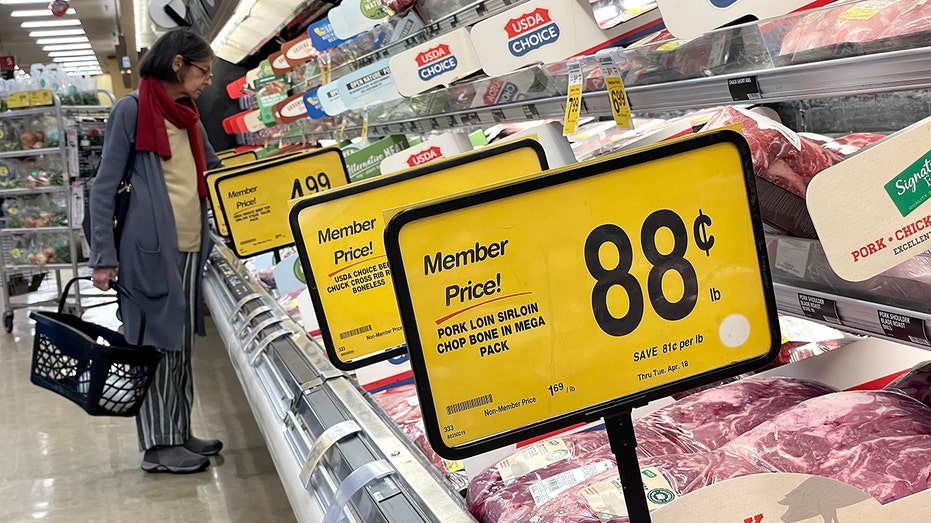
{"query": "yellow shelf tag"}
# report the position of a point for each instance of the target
(340, 238)
(620, 105)
(365, 129)
(18, 100)
(254, 199)
(573, 99)
(41, 97)
(593, 288)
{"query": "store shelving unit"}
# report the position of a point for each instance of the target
(12, 266)
(890, 71)
(290, 370)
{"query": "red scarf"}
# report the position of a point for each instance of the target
(155, 106)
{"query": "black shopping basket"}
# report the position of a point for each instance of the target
(91, 365)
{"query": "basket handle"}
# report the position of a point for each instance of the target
(120, 290)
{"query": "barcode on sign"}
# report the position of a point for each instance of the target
(754, 96)
(469, 404)
(354, 332)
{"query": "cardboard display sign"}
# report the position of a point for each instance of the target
(339, 236)
(352, 17)
(438, 62)
(366, 163)
(583, 292)
(366, 86)
(240, 162)
(321, 35)
(255, 201)
(443, 146)
(873, 210)
(330, 100)
(540, 31)
(558, 149)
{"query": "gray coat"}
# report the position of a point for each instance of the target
(148, 255)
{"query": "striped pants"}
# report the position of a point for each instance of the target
(165, 415)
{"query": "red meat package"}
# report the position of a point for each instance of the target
(699, 422)
(877, 441)
(851, 143)
(915, 18)
(780, 155)
(708, 419)
(600, 499)
(916, 383)
(848, 23)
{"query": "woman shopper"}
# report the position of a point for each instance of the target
(164, 238)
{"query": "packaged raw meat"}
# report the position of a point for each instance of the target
(916, 383)
(851, 143)
(864, 21)
(780, 155)
(493, 489)
(915, 18)
(809, 31)
(877, 441)
(708, 419)
(700, 422)
(600, 499)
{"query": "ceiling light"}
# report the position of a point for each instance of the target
(21, 2)
(25, 13)
(56, 32)
(82, 58)
(66, 47)
(87, 63)
(50, 23)
(66, 40)
(81, 52)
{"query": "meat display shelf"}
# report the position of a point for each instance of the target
(328, 439)
(894, 305)
(857, 316)
(900, 70)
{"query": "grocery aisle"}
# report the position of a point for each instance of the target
(59, 464)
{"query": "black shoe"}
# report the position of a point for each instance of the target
(174, 459)
(204, 447)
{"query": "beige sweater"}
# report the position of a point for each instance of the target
(181, 178)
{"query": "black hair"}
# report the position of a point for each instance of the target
(179, 41)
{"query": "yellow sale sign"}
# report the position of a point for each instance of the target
(340, 238)
(254, 201)
(601, 286)
(211, 176)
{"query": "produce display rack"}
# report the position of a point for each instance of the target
(13, 272)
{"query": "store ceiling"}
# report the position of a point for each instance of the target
(99, 19)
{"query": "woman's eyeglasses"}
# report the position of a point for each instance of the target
(207, 72)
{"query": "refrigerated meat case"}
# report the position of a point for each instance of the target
(331, 441)
(336, 451)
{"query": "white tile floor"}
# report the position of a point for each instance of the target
(59, 464)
